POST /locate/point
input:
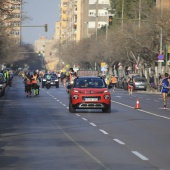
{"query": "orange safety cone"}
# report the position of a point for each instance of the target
(137, 104)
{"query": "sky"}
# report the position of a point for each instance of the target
(40, 12)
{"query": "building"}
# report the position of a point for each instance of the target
(165, 4)
(47, 49)
(57, 31)
(82, 18)
(12, 18)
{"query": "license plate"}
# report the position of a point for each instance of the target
(141, 86)
(91, 99)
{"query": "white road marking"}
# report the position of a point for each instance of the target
(164, 109)
(55, 98)
(84, 118)
(61, 102)
(148, 99)
(67, 107)
(117, 96)
(92, 124)
(64, 105)
(77, 114)
(143, 110)
(101, 130)
(58, 100)
(140, 156)
(118, 141)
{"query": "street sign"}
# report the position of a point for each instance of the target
(160, 57)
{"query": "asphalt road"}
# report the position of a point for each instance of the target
(39, 133)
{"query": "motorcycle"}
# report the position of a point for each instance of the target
(48, 83)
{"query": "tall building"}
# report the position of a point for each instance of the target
(164, 3)
(82, 18)
(57, 31)
(12, 18)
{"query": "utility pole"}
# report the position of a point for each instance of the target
(96, 24)
(122, 12)
(160, 50)
(140, 12)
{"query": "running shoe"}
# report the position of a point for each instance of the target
(164, 106)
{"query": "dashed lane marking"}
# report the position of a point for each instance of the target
(84, 118)
(77, 115)
(140, 156)
(118, 141)
(92, 124)
(103, 131)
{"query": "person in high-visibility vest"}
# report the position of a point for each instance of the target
(34, 83)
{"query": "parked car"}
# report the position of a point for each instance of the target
(53, 81)
(2, 85)
(140, 83)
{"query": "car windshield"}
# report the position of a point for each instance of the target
(51, 75)
(139, 79)
(89, 83)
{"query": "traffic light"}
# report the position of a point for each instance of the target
(46, 27)
(110, 20)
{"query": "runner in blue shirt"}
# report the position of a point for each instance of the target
(165, 88)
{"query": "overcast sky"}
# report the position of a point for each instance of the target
(41, 12)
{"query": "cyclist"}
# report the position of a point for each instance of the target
(165, 88)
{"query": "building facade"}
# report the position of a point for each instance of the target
(164, 3)
(82, 18)
(12, 18)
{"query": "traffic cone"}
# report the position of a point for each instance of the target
(137, 104)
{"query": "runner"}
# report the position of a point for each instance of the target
(165, 88)
(130, 82)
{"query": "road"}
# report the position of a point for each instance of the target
(39, 133)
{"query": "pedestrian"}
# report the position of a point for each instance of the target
(34, 83)
(130, 82)
(165, 88)
(113, 81)
(152, 83)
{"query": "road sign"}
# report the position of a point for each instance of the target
(160, 57)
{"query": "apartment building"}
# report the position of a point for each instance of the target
(12, 18)
(164, 3)
(57, 31)
(81, 18)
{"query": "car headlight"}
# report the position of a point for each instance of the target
(106, 91)
(56, 80)
(0, 85)
(75, 96)
(106, 96)
(75, 91)
(44, 80)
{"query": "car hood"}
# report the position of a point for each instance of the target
(90, 90)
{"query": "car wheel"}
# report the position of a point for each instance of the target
(107, 109)
(71, 108)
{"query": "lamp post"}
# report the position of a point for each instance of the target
(160, 50)
(122, 12)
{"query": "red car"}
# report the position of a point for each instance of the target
(89, 93)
